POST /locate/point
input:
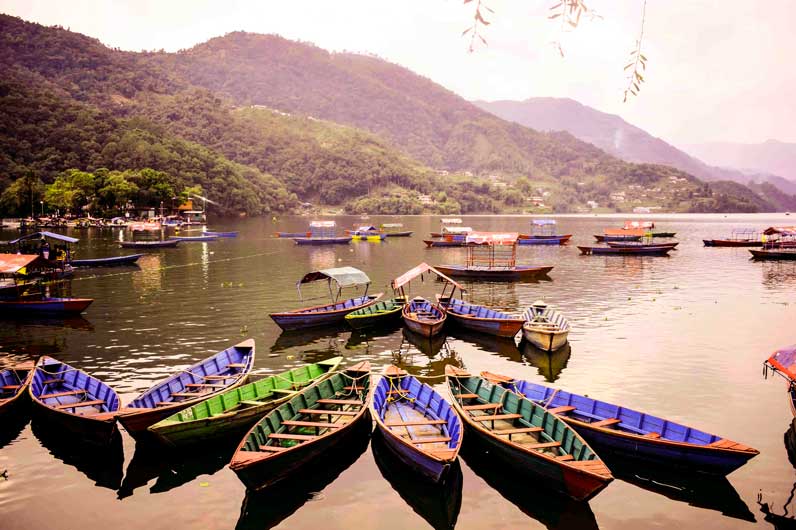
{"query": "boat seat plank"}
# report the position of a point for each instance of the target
(79, 404)
(164, 403)
(52, 381)
(431, 440)
(561, 410)
(542, 445)
(520, 430)
(62, 394)
(588, 464)
(411, 423)
(288, 436)
(272, 448)
(497, 417)
(354, 388)
(251, 403)
(317, 424)
(465, 396)
(339, 402)
(219, 377)
(442, 454)
(652, 435)
(205, 385)
(282, 391)
(11, 387)
(236, 365)
(486, 406)
(329, 412)
(565, 458)
(606, 422)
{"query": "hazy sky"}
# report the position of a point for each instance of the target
(718, 69)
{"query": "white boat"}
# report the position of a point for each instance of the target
(545, 327)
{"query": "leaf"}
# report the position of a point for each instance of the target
(556, 6)
(465, 32)
(643, 58)
(554, 16)
(628, 65)
(480, 18)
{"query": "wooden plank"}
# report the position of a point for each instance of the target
(52, 381)
(354, 388)
(164, 403)
(329, 412)
(414, 422)
(204, 385)
(317, 424)
(219, 377)
(11, 387)
(288, 436)
(282, 391)
(62, 394)
(605, 423)
(272, 448)
(79, 404)
(542, 445)
(561, 410)
(486, 406)
(442, 454)
(653, 435)
(465, 396)
(236, 365)
(565, 458)
(497, 417)
(589, 464)
(339, 402)
(520, 430)
(431, 440)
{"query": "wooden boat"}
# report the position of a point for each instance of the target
(73, 401)
(45, 306)
(447, 242)
(631, 244)
(636, 435)
(198, 239)
(518, 272)
(774, 254)
(493, 256)
(451, 227)
(625, 251)
(423, 317)
(218, 373)
(220, 234)
(526, 437)
(291, 235)
(380, 313)
(297, 434)
(329, 314)
(171, 243)
(480, 318)
(394, 230)
(545, 327)
(732, 243)
(418, 425)
(783, 362)
(322, 240)
(664, 234)
(14, 383)
(233, 412)
(106, 262)
(605, 238)
(543, 233)
(366, 233)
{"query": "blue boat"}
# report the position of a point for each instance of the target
(342, 240)
(290, 235)
(106, 262)
(543, 233)
(14, 383)
(479, 318)
(418, 425)
(188, 239)
(218, 373)
(69, 399)
(322, 233)
(219, 234)
(635, 435)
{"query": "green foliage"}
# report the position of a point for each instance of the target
(22, 195)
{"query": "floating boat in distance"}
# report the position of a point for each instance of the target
(493, 256)
(774, 254)
(106, 262)
(189, 239)
(621, 234)
(322, 233)
(625, 251)
(297, 434)
(605, 238)
(664, 234)
(290, 235)
(394, 230)
(447, 242)
(747, 237)
(381, 313)
(526, 438)
(781, 248)
(14, 383)
(220, 234)
(334, 313)
(640, 244)
(76, 403)
(420, 315)
(543, 233)
(635, 435)
(451, 227)
(234, 411)
(481, 319)
(419, 426)
(366, 233)
(222, 371)
(545, 327)
(171, 243)
(45, 305)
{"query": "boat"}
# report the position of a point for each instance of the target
(480, 318)
(381, 313)
(144, 226)
(14, 383)
(169, 243)
(545, 328)
(747, 237)
(106, 262)
(493, 256)
(621, 237)
(543, 233)
(418, 424)
(366, 233)
(216, 374)
(448, 242)
(189, 239)
(394, 230)
(655, 250)
(233, 412)
(420, 315)
(664, 234)
(783, 363)
(525, 437)
(220, 234)
(44, 305)
(451, 226)
(71, 400)
(322, 240)
(298, 434)
(636, 435)
(774, 254)
(335, 312)
(291, 235)
(781, 248)
(640, 244)
(622, 234)
(322, 233)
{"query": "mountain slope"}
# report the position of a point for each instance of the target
(770, 156)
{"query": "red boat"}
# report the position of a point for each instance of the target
(46, 305)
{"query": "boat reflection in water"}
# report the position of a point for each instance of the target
(14, 424)
(437, 351)
(502, 346)
(438, 504)
(372, 341)
(786, 520)
(268, 507)
(552, 510)
(549, 364)
(326, 339)
(171, 468)
(103, 464)
(431, 346)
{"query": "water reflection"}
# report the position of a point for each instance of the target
(784, 521)
(430, 346)
(500, 346)
(267, 508)
(13, 425)
(549, 364)
(423, 356)
(552, 510)
(776, 274)
(438, 504)
(366, 341)
(103, 465)
(323, 339)
(150, 278)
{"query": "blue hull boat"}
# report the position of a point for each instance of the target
(106, 262)
(544, 241)
(73, 401)
(636, 435)
(423, 317)
(189, 239)
(480, 318)
(322, 240)
(291, 235)
(323, 315)
(219, 234)
(14, 383)
(420, 428)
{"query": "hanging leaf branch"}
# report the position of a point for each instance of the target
(638, 62)
(478, 22)
(569, 13)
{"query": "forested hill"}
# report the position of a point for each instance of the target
(67, 101)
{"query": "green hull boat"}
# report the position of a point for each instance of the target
(381, 313)
(228, 415)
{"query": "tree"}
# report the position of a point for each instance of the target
(116, 191)
(71, 190)
(21, 197)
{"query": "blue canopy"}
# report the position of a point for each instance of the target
(542, 222)
(52, 235)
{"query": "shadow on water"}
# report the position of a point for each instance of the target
(23, 322)
(436, 351)
(549, 508)
(502, 346)
(267, 508)
(171, 468)
(438, 504)
(550, 365)
(364, 340)
(786, 520)
(102, 464)
(328, 339)
(430, 346)
(14, 424)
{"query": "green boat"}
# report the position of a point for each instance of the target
(378, 314)
(229, 415)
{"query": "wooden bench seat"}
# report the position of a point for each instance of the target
(431, 440)
(316, 424)
(329, 412)
(465, 396)
(236, 365)
(542, 445)
(411, 423)
(605, 423)
(62, 394)
(339, 402)
(520, 430)
(11, 387)
(354, 388)
(442, 454)
(486, 406)
(497, 417)
(589, 465)
(273, 448)
(52, 381)
(79, 404)
(561, 410)
(288, 436)
(164, 403)
(250, 403)
(565, 458)
(283, 391)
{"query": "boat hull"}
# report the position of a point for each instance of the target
(50, 306)
(86, 428)
(549, 341)
(520, 272)
(774, 254)
(302, 318)
(219, 234)
(322, 240)
(424, 327)
(428, 468)
(430, 243)
(604, 238)
(497, 326)
(20, 401)
(106, 262)
(149, 244)
(731, 243)
(625, 251)
(189, 239)
(528, 239)
(406, 233)
(376, 318)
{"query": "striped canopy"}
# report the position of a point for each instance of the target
(410, 275)
(492, 238)
(344, 276)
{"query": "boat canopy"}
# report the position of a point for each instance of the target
(392, 225)
(452, 221)
(543, 222)
(458, 230)
(14, 263)
(322, 224)
(492, 238)
(366, 228)
(625, 232)
(421, 269)
(344, 276)
(638, 224)
(784, 362)
(51, 235)
(782, 230)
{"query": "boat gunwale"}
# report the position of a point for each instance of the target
(308, 310)
(24, 387)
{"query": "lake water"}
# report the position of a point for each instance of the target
(682, 337)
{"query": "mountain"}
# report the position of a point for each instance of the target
(771, 156)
